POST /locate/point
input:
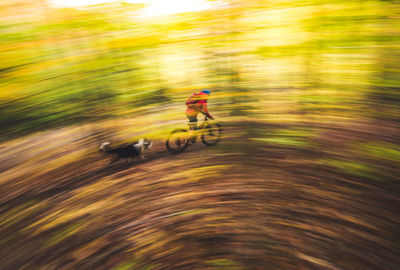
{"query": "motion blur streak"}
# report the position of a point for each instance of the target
(306, 174)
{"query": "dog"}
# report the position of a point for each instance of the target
(132, 150)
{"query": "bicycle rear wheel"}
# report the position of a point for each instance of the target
(177, 141)
(211, 134)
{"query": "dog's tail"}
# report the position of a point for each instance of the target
(103, 147)
(149, 144)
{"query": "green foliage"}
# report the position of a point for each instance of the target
(378, 151)
(156, 97)
(64, 66)
(225, 264)
(354, 168)
(298, 138)
(65, 233)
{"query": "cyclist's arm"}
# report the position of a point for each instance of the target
(204, 110)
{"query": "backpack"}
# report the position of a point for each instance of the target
(193, 99)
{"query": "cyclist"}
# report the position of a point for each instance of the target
(196, 103)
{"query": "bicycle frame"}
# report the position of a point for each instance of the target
(193, 135)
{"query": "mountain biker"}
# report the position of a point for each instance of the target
(196, 103)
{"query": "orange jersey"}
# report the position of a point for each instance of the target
(197, 103)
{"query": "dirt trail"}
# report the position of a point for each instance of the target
(243, 204)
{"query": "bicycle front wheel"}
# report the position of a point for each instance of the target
(211, 134)
(177, 141)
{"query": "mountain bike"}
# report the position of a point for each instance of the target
(178, 139)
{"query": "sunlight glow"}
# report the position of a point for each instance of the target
(162, 7)
(153, 8)
(77, 3)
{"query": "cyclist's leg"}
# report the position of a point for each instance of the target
(192, 128)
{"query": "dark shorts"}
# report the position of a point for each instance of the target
(192, 122)
(192, 119)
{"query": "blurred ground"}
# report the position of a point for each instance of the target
(306, 176)
(243, 204)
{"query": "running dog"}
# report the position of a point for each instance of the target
(126, 150)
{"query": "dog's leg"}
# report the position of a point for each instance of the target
(113, 160)
(142, 151)
(140, 147)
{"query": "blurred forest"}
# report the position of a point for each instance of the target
(275, 60)
(308, 93)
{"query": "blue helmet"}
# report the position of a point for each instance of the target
(206, 91)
